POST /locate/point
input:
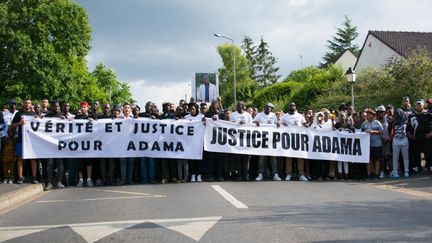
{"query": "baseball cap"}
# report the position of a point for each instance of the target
(420, 102)
(270, 105)
(12, 101)
(380, 108)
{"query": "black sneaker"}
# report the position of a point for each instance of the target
(20, 180)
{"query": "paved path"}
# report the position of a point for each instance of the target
(253, 212)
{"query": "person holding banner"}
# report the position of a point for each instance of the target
(267, 117)
(147, 164)
(55, 113)
(321, 168)
(241, 117)
(85, 162)
(126, 164)
(107, 165)
(293, 118)
(214, 166)
(18, 122)
(194, 165)
(343, 125)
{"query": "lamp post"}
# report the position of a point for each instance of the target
(234, 65)
(350, 76)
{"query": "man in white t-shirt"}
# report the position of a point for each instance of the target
(240, 117)
(293, 118)
(267, 117)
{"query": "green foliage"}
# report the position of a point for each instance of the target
(400, 77)
(43, 45)
(342, 41)
(250, 52)
(302, 86)
(384, 85)
(113, 91)
(266, 72)
(245, 85)
(278, 93)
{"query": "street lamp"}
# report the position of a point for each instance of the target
(234, 65)
(350, 76)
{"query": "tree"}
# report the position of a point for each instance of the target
(342, 41)
(245, 85)
(43, 45)
(250, 53)
(114, 91)
(411, 76)
(302, 86)
(265, 62)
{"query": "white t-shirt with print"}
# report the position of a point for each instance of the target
(241, 117)
(264, 118)
(294, 119)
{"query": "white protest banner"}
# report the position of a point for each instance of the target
(286, 141)
(112, 138)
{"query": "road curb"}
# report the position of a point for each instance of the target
(13, 198)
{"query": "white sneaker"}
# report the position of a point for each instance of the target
(415, 169)
(199, 178)
(303, 178)
(381, 175)
(259, 178)
(60, 185)
(193, 179)
(288, 178)
(5, 181)
(276, 177)
(89, 182)
(80, 183)
(48, 187)
(10, 181)
(406, 174)
(394, 175)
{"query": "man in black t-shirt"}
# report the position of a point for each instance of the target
(54, 112)
(18, 122)
(419, 126)
(85, 162)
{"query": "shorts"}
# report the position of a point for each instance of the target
(18, 150)
(376, 153)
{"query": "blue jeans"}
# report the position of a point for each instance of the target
(147, 173)
(126, 163)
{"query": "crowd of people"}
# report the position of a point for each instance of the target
(398, 138)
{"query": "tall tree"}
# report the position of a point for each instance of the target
(43, 45)
(114, 91)
(245, 85)
(266, 72)
(342, 41)
(250, 53)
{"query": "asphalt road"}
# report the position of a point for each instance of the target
(256, 212)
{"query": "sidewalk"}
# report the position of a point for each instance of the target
(14, 195)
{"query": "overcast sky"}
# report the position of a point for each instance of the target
(156, 46)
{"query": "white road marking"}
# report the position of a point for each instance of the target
(193, 228)
(116, 191)
(230, 198)
(99, 199)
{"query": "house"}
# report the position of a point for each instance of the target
(380, 46)
(346, 60)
